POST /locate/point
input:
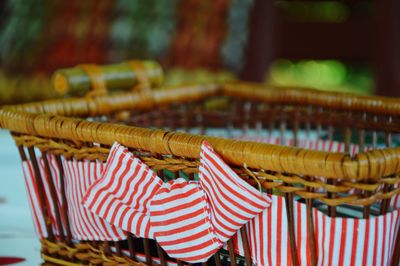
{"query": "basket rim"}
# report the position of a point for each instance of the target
(50, 119)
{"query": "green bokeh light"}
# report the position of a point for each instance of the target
(322, 74)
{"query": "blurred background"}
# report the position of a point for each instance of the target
(348, 45)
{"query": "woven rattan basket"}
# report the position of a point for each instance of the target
(165, 128)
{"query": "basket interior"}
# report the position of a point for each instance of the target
(304, 126)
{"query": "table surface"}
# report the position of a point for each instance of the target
(17, 235)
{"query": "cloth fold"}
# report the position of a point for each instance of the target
(190, 220)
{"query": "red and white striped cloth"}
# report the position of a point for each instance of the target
(55, 175)
(122, 195)
(34, 200)
(233, 202)
(181, 223)
(188, 219)
(344, 241)
(33, 195)
(339, 241)
(84, 224)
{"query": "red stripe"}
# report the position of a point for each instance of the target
(143, 191)
(139, 226)
(117, 208)
(89, 223)
(108, 185)
(147, 230)
(128, 185)
(179, 207)
(139, 180)
(184, 239)
(208, 158)
(376, 242)
(178, 230)
(174, 197)
(214, 198)
(38, 211)
(111, 231)
(366, 242)
(279, 234)
(323, 239)
(331, 146)
(343, 241)
(221, 196)
(172, 185)
(309, 234)
(31, 198)
(384, 240)
(181, 218)
(110, 193)
(269, 228)
(106, 173)
(316, 238)
(261, 235)
(69, 196)
(255, 248)
(77, 226)
(84, 216)
(289, 252)
(122, 217)
(57, 181)
(239, 196)
(154, 190)
(211, 163)
(332, 240)
(130, 224)
(134, 177)
(298, 233)
(83, 184)
(355, 240)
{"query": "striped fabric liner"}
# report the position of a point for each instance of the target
(186, 218)
(339, 241)
(33, 194)
(34, 200)
(233, 202)
(84, 224)
(122, 195)
(55, 175)
(180, 219)
(344, 241)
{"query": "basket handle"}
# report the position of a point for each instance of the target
(144, 84)
(98, 83)
(93, 79)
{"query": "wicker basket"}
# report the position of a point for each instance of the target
(165, 128)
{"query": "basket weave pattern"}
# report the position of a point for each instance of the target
(366, 178)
